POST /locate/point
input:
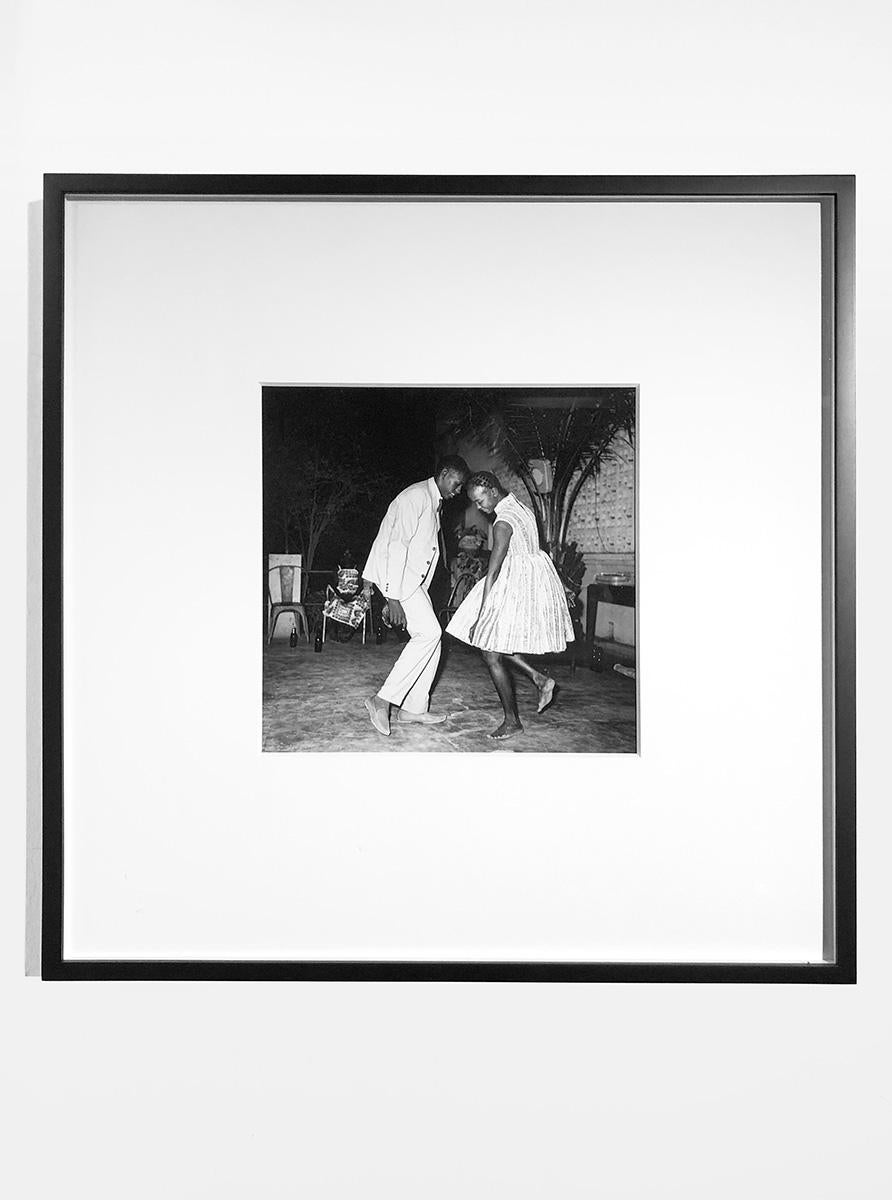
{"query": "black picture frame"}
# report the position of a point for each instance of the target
(836, 196)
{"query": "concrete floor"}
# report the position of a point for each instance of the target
(314, 702)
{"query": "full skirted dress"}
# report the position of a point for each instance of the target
(526, 611)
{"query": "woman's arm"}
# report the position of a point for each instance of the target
(501, 536)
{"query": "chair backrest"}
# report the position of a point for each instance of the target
(348, 579)
(283, 578)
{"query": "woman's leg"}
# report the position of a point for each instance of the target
(527, 668)
(504, 685)
(544, 683)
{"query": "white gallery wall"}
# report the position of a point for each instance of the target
(324, 1090)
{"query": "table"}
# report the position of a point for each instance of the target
(608, 593)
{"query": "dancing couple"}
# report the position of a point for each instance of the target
(518, 608)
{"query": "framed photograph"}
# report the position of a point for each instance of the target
(449, 578)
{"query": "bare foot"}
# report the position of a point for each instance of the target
(505, 730)
(546, 694)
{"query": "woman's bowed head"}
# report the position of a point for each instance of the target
(519, 607)
(484, 490)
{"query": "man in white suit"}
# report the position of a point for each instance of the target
(401, 564)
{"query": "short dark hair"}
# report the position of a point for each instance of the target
(452, 462)
(484, 479)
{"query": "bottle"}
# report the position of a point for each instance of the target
(292, 641)
(317, 645)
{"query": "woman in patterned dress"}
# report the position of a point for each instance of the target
(519, 608)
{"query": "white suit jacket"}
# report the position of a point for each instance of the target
(406, 550)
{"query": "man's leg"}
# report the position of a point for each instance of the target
(409, 682)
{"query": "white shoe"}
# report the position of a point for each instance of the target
(380, 720)
(425, 718)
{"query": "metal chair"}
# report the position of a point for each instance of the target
(462, 586)
(281, 578)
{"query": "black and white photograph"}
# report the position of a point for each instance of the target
(449, 569)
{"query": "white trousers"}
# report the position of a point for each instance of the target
(409, 682)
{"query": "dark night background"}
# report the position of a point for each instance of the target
(343, 451)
